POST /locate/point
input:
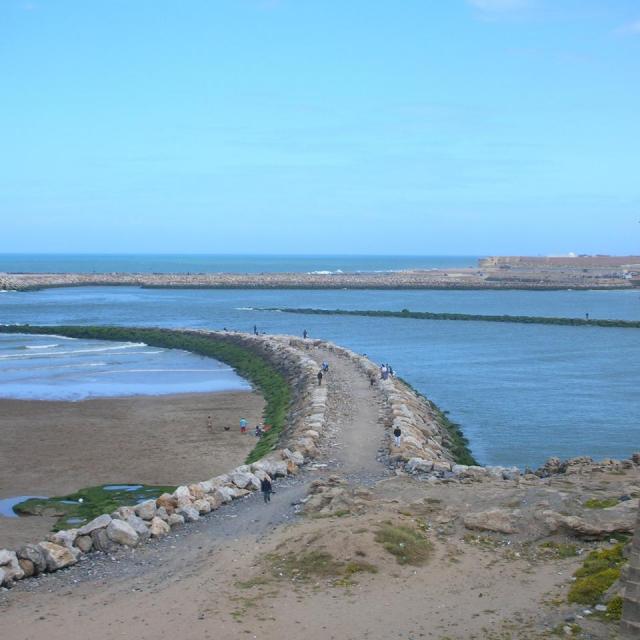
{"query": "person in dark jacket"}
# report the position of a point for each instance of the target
(397, 434)
(320, 377)
(266, 488)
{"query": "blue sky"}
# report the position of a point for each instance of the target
(324, 126)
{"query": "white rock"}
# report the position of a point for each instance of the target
(202, 506)
(10, 566)
(414, 465)
(183, 495)
(459, 469)
(158, 528)
(162, 513)
(241, 478)
(441, 465)
(123, 533)
(175, 519)
(123, 513)
(146, 510)
(189, 513)
(65, 538)
(57, 556)
(139, 526)
(97, 523)
(225, 493)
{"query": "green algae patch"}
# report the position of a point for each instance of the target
(304, 566)
(316, 564)
(600, 503)
(599, 571)
(79, 508)
(559, 549)
(464, 317)
(409, 546)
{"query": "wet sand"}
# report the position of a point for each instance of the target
(56, 448)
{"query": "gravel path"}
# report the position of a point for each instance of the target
(356, 413)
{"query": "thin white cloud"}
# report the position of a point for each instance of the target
(631, 29)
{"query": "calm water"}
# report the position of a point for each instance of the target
(58, 368)
(521, 392)
(149, 263)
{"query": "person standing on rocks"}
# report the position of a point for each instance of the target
(266, 488)
(305, 334)
(320, 378)
(397, 434)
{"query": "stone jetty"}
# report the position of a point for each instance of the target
(492, 277)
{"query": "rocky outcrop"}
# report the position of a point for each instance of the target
(498, 520)
(597, 527)
(630, 624)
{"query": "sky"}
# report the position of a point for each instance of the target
(426, 127)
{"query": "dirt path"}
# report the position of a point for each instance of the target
(356, 415)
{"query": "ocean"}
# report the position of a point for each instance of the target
(176, 263)
(59, 368)
(522, 393)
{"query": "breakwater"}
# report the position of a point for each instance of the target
(468, 317)
(299, 417)
(456, 279)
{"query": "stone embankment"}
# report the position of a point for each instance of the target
(492, 278)
(130, 526)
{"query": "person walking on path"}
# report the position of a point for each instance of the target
(397, 435)
(266, 488)
(320, 378)
(243, 425)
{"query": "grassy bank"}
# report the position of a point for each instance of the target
(427, 315)
(248, 364)
(456, 441)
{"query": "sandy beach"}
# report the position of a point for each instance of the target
(56, 448)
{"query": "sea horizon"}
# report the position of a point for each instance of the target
(19, 262)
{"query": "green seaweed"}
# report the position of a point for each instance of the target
(78, 508)
(464, 317)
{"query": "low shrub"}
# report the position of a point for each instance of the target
(407, 545)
